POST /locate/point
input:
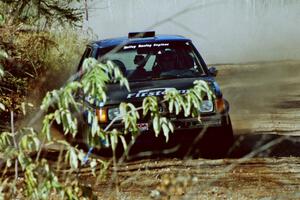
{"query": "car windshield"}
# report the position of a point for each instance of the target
(148, 61)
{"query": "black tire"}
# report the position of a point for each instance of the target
(216, 142)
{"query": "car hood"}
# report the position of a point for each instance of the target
(142, 89)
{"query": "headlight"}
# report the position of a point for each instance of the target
(113, 113)
(102, 115)
(206, 106)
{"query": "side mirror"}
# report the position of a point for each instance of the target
(213, 71)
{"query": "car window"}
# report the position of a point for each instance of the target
(155, 60)
(150, 63)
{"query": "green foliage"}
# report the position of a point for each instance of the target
(29, 141)
(92, 85)
(130, 117)
(63, 98)
(53, 50)
(5, 140)
(92, 88)
(190, 102)
(94, 81)
(150, 105)
(175, 100)
(40, 180)
(63, 106)
(27, 23)
(31, 72)
(97, 76)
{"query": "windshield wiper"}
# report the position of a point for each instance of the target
(182, 75)
(148, 78)
(169, 76)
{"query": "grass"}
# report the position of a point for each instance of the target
(36, 63)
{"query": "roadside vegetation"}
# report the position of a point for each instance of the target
(21, 148)
(38, 41)
(32, 53)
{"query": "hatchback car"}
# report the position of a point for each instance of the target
(154, 64)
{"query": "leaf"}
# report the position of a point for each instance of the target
(124, 143)
(113, 140)
(171, 127)
(2, 107)
(171, 105)
(5, 140)
(57, 117)
(46, 129)
(73, 158)
(3, 54)
(23, 104)
(145, 106)
(156, 125)
(125, 82)
(81, 156)
(1, 71)
(46, 101)
(8, 163)
(37, 143)
(63, 142)
(65, 122)
(30, 105)
(166, 131)
(89, 117)
(23, 160)
(24, 142)
(187, 107)
(177, 108)
(93, 165)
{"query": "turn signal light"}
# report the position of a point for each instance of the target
(220, 105)
(102, 115)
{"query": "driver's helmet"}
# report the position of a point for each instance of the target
(167, 60)
(139, 60)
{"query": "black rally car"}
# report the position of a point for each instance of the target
(153, 64)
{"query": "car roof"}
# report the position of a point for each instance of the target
(125, 40)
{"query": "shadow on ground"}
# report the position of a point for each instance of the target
(265, 145)
(259, 145)
(253, 145)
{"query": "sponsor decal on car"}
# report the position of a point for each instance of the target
(143, 126)
(146, 45)
(152, 92)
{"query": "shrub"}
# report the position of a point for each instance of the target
(40, 179)
(34, 63)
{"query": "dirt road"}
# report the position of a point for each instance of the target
(265, 104)
(264, 97)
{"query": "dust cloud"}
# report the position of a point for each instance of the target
(264, 97)
(223, 30)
